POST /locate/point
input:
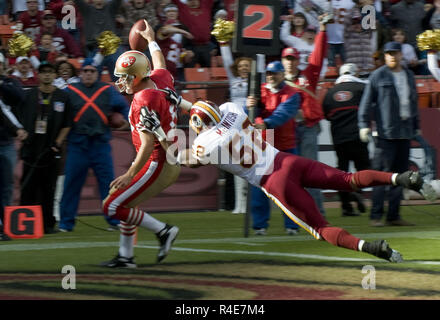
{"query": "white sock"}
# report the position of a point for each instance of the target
(393, 178)
(360, 245)
(126, 240)
(140, 218)
(151, 223)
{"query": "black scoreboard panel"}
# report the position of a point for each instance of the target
(257, 27)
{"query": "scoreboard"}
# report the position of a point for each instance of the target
(257, 27)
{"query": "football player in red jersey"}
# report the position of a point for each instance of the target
(149, 173)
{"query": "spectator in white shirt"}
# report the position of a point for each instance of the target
(335, 31)
(312, 9)
(304, 44)
(433, 64)
(298, 24)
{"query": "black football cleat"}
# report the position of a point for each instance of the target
(166, 238)
(412, 180)
(381, 249)
(120, 262)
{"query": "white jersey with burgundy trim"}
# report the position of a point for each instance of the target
(235, 146)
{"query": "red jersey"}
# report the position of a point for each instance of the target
(155, 100)
(309, 78)
(57, 8)
(31, 25)
(285, 134)
(162, 78)
(171, 51)
(230, 6)
(63, 42)
(32, 81)
(198, 20)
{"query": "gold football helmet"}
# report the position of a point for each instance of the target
(131, 67)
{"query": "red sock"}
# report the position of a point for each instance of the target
(121, 214)
(339, 237)
(131, 216)
(371, 178)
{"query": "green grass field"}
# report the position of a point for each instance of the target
(212, 260)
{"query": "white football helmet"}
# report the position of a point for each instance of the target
(131, 67)
(204, 114)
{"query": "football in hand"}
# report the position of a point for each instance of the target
(136, 41)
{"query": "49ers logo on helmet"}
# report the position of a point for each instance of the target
(128, 61)
(342, 96)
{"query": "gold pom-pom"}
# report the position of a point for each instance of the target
(108, 42)
(429, 40)
(19, 45)
(223, 30)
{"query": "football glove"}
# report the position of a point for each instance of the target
(150, 121)
(364, 134)
(172, 96)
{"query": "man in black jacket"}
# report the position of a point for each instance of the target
(10, 96)
(46, 115)
(8, 124)
(390, 100)
(340, 107)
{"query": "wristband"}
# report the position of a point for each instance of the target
(160, 134)
(153, 46)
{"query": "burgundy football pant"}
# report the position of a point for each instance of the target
(286, 187)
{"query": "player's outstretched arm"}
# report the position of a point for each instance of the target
(433, 65)
(177, 99)
(156, 53)
(187, 159)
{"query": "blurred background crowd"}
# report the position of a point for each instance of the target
(59, 32)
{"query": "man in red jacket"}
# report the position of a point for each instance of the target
(306, 81)
(279, 105)
(31, 19)
(65, 42)
(197, 16)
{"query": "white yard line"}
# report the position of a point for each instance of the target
(265, 253)
(252, 241)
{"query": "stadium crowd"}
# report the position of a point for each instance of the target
(184, 36)
(353, 37)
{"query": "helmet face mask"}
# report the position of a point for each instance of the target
(203, 115)
(125, 83)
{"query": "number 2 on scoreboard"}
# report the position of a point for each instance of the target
(255, 30)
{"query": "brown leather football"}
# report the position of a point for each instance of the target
(136, 41)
